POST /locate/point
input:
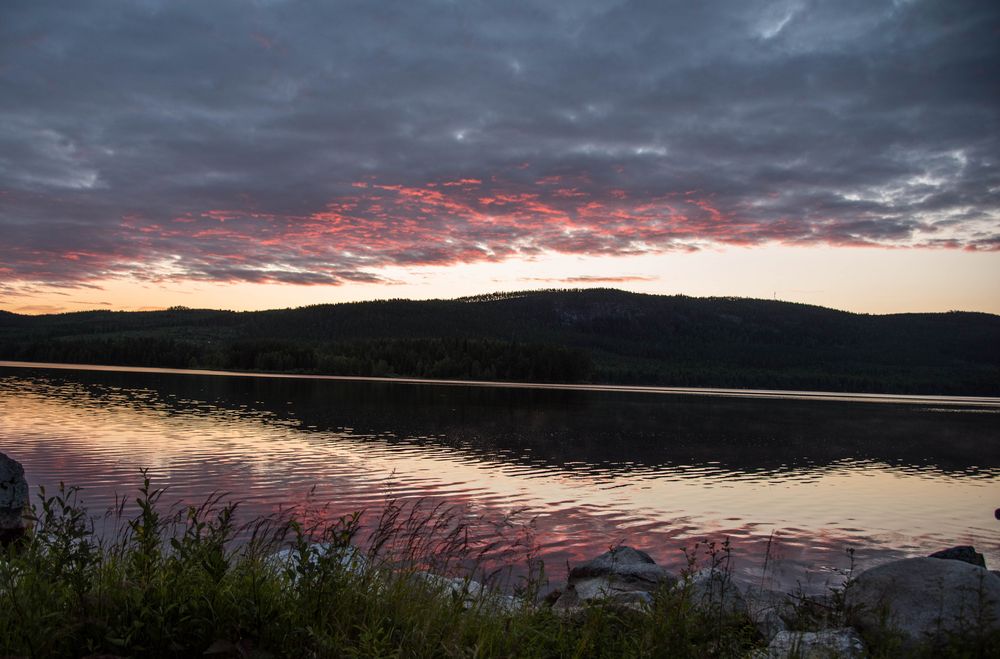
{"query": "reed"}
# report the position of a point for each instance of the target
(152, 580)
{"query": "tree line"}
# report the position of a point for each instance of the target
(454, 358)
(603, 336)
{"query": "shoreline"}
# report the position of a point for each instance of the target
(985, 402)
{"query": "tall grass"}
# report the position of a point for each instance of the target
(164, 581)
(152, 580)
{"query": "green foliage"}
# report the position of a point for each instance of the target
(190, 582)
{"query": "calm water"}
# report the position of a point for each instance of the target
(591, 468)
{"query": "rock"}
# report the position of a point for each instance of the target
(963, 553)
(769, 624)
(770, 610)
(470, 592)
(604, 588)
(13, 499)
(553, 597)
(623, 575)
(624, 563)
(350, 558)
(715, 591)
(925, 599)
(827, 644)
(455, 585)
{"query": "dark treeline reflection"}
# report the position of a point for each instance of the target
(571, 430)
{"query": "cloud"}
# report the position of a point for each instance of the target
(39, 309)
(317, 143)
(89, 303)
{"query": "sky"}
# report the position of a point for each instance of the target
(250, 154)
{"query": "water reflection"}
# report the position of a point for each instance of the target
(593, 468)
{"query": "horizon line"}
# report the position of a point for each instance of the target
(499, 294)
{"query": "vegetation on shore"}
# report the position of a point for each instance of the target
(596, 335)
(192, 581)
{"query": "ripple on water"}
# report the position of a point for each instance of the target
(589, 471)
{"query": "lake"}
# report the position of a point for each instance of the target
(801, 480)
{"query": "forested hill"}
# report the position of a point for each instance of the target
(594, 335)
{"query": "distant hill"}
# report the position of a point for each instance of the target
(593, 335)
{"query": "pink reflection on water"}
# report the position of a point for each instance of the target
(804, 519)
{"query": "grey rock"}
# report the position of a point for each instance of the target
(350, 558)
(623, 563)
(13, 498)
(925, 599)
(578, 593)
(623, 575)
(470, 592)
(770, 610)
(964, 553)
(602, 588)
(827, 644)
(467, 590)
(715, 591)
(769, 624)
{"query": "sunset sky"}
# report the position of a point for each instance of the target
(259, 154)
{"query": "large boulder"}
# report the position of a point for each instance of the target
(13, 499)
(964, 553)
(925, 599)
(827, 644)
(623, 575)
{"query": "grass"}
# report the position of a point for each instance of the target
(181, 582)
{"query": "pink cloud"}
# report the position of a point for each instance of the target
(375, 224)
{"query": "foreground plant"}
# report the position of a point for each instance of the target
(169, 581)
(172, 582)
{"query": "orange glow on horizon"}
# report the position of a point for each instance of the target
(842, 278)
(467, 236)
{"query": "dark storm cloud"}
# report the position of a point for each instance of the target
(315, 142)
